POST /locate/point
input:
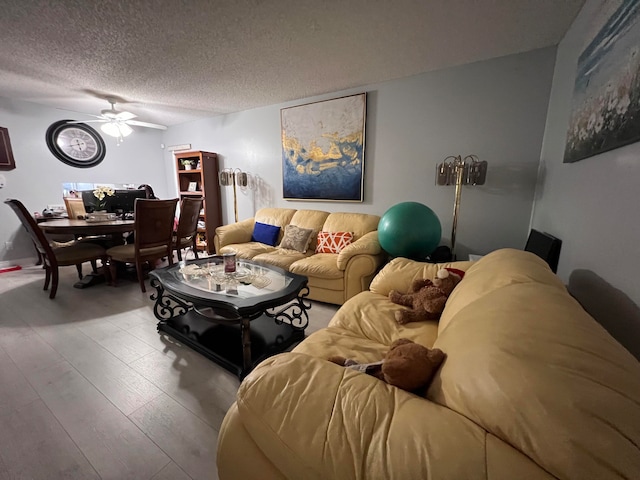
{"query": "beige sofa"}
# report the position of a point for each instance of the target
(532, 388)
(333, 277)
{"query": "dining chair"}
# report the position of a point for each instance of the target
(187, 230)
(52, 257)
(153, 232)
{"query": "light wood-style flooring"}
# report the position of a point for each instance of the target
(90, 390)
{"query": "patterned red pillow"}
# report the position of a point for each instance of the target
(333, 242)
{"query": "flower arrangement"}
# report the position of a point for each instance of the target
(101, 193)
(187, 163)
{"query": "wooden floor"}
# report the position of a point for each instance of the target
(89, 389)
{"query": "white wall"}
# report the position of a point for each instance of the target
(495, 109)
(592, 205)
(37, 179)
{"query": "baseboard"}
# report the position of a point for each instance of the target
(23, 262)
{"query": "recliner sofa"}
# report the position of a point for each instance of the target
(531, 388)
(333, 277)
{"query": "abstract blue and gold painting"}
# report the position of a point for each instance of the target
(323, 149)
(606, 97)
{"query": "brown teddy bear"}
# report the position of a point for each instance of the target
(407, 365)
(426, 298)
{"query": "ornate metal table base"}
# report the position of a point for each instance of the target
(237, 344)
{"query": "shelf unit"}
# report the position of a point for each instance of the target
(201, 181)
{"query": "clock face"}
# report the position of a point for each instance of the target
(75, 144)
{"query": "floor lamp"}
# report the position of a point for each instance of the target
(458, 171)
(230, 177)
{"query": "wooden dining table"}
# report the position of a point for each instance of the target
(115, 228)
(83, 227)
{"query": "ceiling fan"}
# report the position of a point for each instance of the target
(116, 123)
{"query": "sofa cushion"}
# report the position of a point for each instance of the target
(372, 316)
(318, 265)
(491, 273)
(339, 341)
(296, 238)
(313, 219)
(265, 233)
(400, 273)
(280, 257)
(333, 242)
(247, 250)
(316, 420)
(358, 223)
(275, 216)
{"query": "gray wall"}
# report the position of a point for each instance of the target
(38, 176)
(592, 205)
(495, 109)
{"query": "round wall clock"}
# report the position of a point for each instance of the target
(75, 144)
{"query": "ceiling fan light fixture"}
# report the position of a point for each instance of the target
(117, 130)
(125, 129)
(117, 123)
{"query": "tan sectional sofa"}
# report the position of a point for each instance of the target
(333, 277)
(532, 388)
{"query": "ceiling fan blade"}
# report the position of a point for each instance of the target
(104, 120)
(145, 124)
(125, 116)
(91, 115)
(74, 112)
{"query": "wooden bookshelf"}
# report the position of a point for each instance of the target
(201, 180)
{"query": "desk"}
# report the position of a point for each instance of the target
(82, 227)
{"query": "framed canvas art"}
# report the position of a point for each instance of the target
(323, 150)
(6, 154)
(606, 97)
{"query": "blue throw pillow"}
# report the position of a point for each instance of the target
(265, 233)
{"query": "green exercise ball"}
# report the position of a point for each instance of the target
(409, 229)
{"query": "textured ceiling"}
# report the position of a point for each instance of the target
(170, 61)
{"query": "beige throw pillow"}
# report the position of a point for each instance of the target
(296, 238)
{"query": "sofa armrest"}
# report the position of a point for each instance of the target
(400, 273)
(314, 419)
(234, 233)
(366, 245)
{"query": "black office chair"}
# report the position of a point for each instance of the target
(148, 190)
(545, 246)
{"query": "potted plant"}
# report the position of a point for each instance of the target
(101, 193)
(187, 163)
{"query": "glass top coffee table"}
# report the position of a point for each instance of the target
(235, 319)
